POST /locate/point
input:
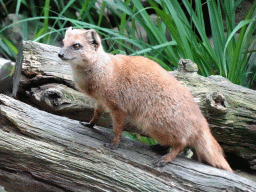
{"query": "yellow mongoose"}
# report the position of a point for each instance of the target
(138, 89)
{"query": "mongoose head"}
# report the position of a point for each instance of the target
(80, 46)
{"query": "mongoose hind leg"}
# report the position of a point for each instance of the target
(118, 117)
(98, 112)
(168, 158)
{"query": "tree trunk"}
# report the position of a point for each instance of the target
(41, 151)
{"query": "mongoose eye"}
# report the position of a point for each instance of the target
(77, 46)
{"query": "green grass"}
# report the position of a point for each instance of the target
(232, 44)
(138, 137)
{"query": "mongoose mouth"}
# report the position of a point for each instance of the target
(68, 59)
(62, 57)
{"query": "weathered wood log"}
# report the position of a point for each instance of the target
(230, 109)
(45, 152)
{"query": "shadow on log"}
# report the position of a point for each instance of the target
(45, 152)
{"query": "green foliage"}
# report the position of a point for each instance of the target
(137, 137)
(232, 53)
(7, 48)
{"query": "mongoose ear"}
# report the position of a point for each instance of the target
(94, 38)
(69, 30)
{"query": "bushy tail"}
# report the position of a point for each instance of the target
(209, 151)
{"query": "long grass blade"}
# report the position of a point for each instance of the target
(217, 35)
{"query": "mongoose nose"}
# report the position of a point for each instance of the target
(61, 55)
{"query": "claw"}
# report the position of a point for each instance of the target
(160, 162)
(111, 145)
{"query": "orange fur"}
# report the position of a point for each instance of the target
(136, 88)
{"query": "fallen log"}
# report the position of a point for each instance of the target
(230, 109)
(41, 151)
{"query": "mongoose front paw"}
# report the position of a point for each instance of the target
(111, 145)
(160, 162)
(90, 125)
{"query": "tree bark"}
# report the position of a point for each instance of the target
(230, 109)
(41, 151)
